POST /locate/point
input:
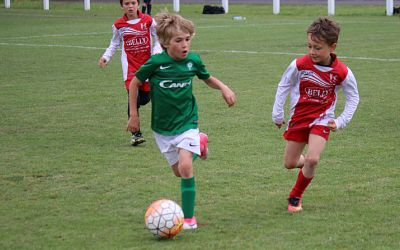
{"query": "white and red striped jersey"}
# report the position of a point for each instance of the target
(313, 93)
(136, 38)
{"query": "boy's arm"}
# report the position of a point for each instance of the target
(227, 93)
(284, 86)
(156, 49)
(350, 91)
(133, 122)
(112, 48)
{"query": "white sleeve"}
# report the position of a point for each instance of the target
(157, 49)
(287, 81)
(114, 44)
(350, 91)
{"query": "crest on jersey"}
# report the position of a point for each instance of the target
(332, 78)
(189, 65)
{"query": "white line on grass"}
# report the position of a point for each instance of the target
(208, 51)
(298, 54)
(199, 27)
(46, 15)
(57, 35)
(101, 33)
(51, 45)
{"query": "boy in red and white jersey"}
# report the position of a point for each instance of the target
(136, 33)
(313, 82)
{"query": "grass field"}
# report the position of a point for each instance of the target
(70, 180)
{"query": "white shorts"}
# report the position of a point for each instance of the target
(169, 145)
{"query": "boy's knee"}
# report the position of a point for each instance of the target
(311, 160)
(289, 164)
(186, 170)
(177, 174)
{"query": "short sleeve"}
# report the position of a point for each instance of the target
(202, 73)
(146, 70)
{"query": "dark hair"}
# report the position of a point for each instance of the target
(324, 29)
(120, 2)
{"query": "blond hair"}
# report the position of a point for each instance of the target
(169, 24)
(325, 29)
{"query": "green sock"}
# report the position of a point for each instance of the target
(188, 190)
(194, 156)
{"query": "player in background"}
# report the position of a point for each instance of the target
(313, 82)
(146, 5)
(136, 33)
(174, 109)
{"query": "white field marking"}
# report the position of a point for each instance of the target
(208, 51)
(218, 26)
(58, 35)
(101, 33)
(299, 54)
(199, 27)
(280, 24)
(247, 25)
(51, 45)
(46, 15)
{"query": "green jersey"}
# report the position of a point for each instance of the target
(174, 108)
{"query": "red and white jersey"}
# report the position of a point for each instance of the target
(313, 93)
(136, 38)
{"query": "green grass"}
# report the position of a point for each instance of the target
(70, 180)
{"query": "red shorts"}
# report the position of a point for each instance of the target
(144, 87)
(301, 135)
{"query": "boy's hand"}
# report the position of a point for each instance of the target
(226, 92)
(229, 96)
(279, 125)
(102, 62)
(133, 124)
(332, 125)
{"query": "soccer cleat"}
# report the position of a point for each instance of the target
(203, 145)
(294, 205)
(137, 138)
(189, 223)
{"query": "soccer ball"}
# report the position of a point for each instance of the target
(164, 218)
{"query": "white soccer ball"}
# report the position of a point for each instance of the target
(164, 218)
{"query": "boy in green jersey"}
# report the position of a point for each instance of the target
(174, 110)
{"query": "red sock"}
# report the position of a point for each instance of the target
(301, 185)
